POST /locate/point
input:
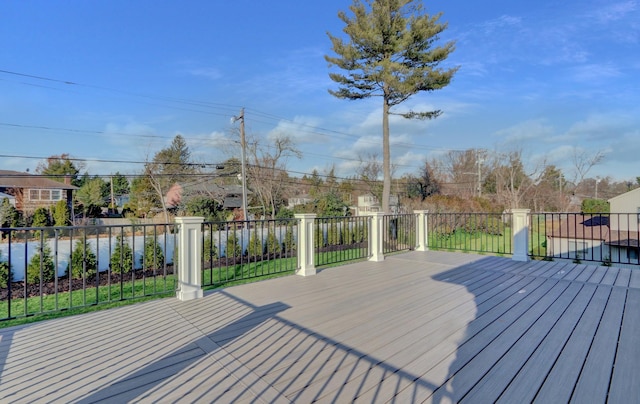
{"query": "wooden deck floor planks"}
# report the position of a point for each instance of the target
(434, 326)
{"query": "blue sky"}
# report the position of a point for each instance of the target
(116, 80)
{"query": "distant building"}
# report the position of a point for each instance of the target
(299, 200)
(614, 236)
(29, 192)
(369, 203)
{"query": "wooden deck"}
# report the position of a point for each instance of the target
(421, 326)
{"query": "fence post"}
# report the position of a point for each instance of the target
(520, 226)
(376, 238)
(422, 229)
(306, 245)
(189, 258)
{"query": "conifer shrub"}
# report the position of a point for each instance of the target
(121, 260)
(153, 256)
(36, 272)
(83, 261)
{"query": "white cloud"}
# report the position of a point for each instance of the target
(590, 73)
(525, 131)
(616, 11)
(211, 73)
(301, 129)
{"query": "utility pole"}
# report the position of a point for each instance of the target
(243, 146)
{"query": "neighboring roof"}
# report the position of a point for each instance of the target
(626, 194)
(578, 226)
(3, 195)
(16, 179)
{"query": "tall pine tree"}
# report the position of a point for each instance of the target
(391, 53)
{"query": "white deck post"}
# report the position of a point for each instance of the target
(422, 236)
(306, 246)
(520, 226)
(376, 237)
(189, 258)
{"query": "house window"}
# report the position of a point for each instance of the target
(632, 254)
(45, 194)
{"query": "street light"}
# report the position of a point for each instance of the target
(242, 157)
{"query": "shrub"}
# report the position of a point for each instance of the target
(256, 248)
(48, 269)
(209, 249)
(153, 256)
(61, 213)
(6, 274)
(346, 234)
(333, 235)
(289, 240)
(83, 261)
(318, 236)
(233, 246)
(273, 246)
(360, 232)
(121, 260)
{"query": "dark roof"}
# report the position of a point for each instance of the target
(16, 179)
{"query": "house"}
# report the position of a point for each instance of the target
(624, 242)
(369, 203)
(577, 236)
(30, 192)
(299, 200)
(228, 196)
(609, 237)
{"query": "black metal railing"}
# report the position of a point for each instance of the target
(607, 238)
(489, 233)
(341, 239)
(239, 250)
(399, 233)
(49, 269)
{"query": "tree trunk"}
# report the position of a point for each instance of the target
(386, 156)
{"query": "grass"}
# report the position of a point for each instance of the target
(480, 242)
(116, 295)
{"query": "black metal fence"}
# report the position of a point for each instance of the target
(489, 233)
(239, 250)
(341, 239)
(49, 269)
(606, 238)
(399, 233)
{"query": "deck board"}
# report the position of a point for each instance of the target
(417, 327)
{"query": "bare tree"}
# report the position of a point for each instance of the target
(511, 180)
(369, 171)
(267, 172)
(583, 162)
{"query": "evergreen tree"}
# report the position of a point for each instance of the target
(233, 246)
(256, 248)
(273, 246)
(91, 198)
(153, 256)
(6, 273)
(61, 214)
(59, 167)
(41, 218)
(43, 257)
(83, 261)
(9, 215)
(121, 260)
(390, 54)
